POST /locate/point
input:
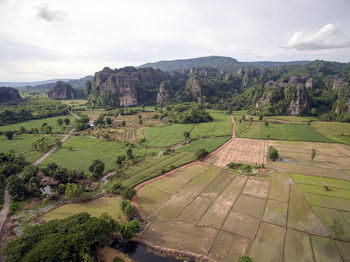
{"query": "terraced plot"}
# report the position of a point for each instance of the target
(167, 135)
(251, 151)
(330, 203)
(227, 215)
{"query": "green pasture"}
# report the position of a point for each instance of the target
(74, 102)
(79, 152)
(22, 144)
(293, 132)
(321, 181)
(324, 249)
(37, 123)
(240, 127)
(152, 167)
(208, 144)
(221, 126)
(327, 216)
(338, 132)
(290, 119)
(166, 136)
(96, 207)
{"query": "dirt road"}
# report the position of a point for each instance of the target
(5, 209)
(41, 159)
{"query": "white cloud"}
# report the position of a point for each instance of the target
(328, 37)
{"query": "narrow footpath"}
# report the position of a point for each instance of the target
(5, 209)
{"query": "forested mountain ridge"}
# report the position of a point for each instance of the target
(228, 64)
(319, 88)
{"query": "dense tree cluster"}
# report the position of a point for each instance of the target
(62, 174)
(68, 239)
(10, 164)
(31, 109)
(190, 113)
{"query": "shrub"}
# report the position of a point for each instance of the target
(244, 258)
(118, 259)
(273, 153)
(9, 134)
(128, 193)
(201, 153)
(129, 230)
(85, 197)
(127, 208)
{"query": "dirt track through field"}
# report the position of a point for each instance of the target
(190, 164)
(5, 209)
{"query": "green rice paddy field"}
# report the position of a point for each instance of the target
(37, 123)
(96, 207)
(167, 135)
(257, 215)
(78, 153)
(22, 144)
(294, 132)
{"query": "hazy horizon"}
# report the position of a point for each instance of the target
(71, 39)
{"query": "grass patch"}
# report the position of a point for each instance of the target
(208, 144)
(22, 144)
(327, 216)
(75, 103)
(166, 136)
(321, 181)
(37, 123)
(328, 202)
(153, 167)
(320, 190)
(79, 152)
(240, 127)
(252, 131)
(324, 249)
(94, 207)
(295, 132)
(150, 198)
(291, 119)
(334, 131)
(221, 126)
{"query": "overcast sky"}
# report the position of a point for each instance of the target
(73, 38)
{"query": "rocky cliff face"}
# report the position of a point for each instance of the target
(9, 94)
(62, 90)
(194, 88)
(127, 86)
(292, 93)
(343, 95)
(164, 93)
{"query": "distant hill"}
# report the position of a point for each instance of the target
(48, 84)
(24, 84)
(228, 64)
(9, 95)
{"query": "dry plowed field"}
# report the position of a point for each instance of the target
(241, 150)
(218, 215)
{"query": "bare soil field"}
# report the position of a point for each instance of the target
(241, 150)
(332, 160)
(219, 215)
